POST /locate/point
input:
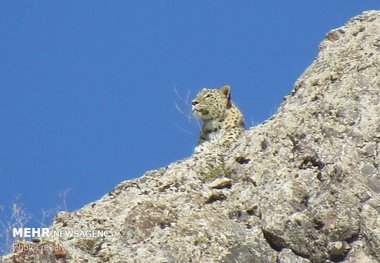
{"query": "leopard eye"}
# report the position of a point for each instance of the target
(208, 96)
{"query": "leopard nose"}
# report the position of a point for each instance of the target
(194, 102)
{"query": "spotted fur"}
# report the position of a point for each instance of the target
(222, 120)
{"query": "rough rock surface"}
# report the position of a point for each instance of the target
(301, 187)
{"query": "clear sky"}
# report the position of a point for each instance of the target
(87, 88)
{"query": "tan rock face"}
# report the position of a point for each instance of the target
(307, 190)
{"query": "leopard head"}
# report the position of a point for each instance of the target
(211, 104)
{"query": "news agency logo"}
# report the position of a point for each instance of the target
(30, 232)
(38, 232)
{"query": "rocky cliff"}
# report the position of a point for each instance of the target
(301, 187)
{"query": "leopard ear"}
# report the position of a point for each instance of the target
(226, 91)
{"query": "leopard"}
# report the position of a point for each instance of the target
(222, 120)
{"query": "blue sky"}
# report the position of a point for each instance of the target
(87, 88)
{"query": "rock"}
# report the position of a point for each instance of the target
(215, 196)
(338, 250)
(220, 183)
(305, 182)
(287, 256)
